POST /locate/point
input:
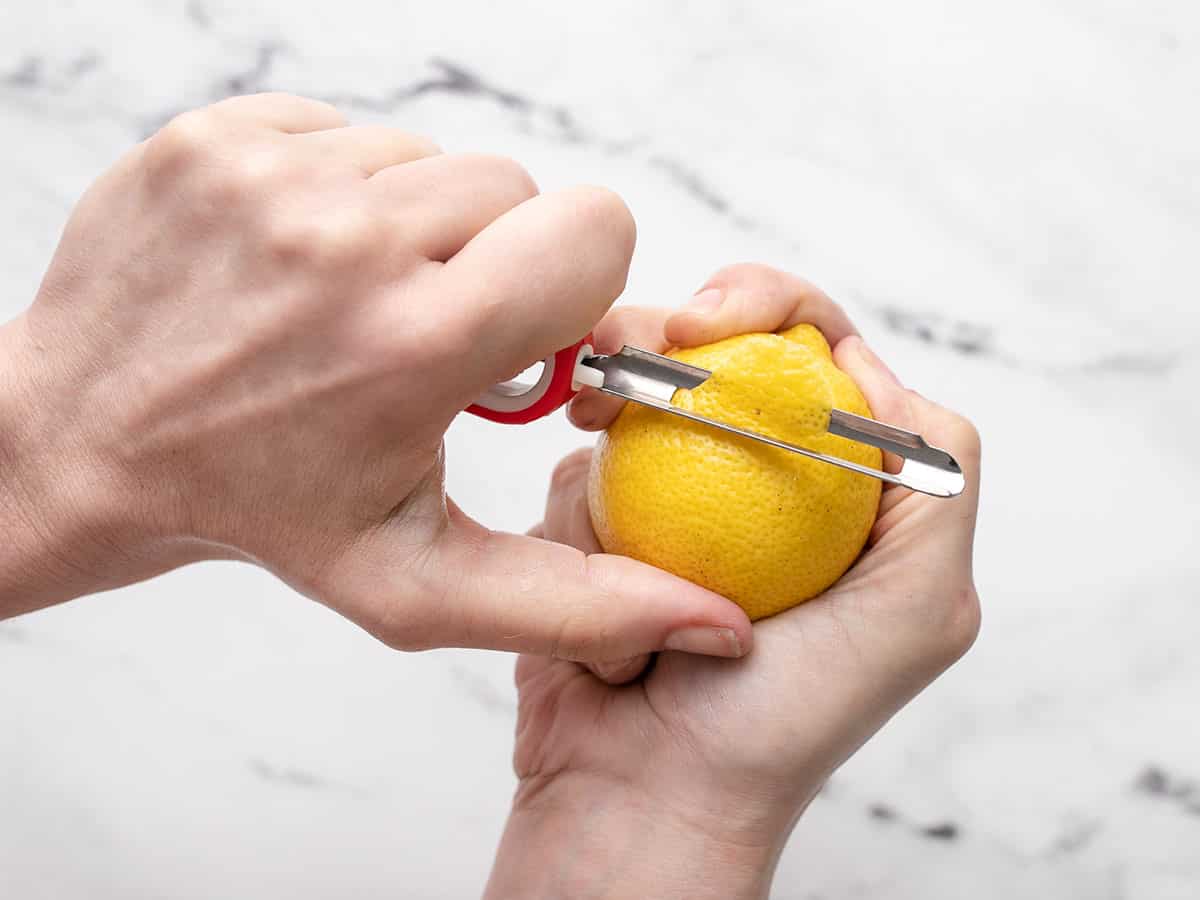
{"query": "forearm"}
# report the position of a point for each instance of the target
(564, 843)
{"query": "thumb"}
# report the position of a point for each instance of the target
(510, 592)
(441, 579)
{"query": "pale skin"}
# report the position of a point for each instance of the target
(240, 351)
(686, 781)
(254, 333)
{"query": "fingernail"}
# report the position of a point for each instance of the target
(705, 641)
(706, 301)
(876, 363)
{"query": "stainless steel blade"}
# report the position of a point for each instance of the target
(647, 374)
(651, 380)
(892, 439)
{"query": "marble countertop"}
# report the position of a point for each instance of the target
(1006, 197)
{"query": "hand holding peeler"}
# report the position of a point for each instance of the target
(652, 379)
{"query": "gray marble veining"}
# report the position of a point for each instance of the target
(1007, 199)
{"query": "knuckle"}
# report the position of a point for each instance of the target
(312, 103)
(249, 175)
(588, 631)
(402, 622)
(576, 638)
(181, 143)
(743, 272)
(333, 116)
(394, 143)
(294, 241)
(607, 224)
(569, 470)
(336, 240)
(425, 145)
(608, 212)
(413, 638)
(949, 617)
(511, 174)
(963, 436)
(962, 618)
(254, 104)
(502, 177)
(943, 617)
(944, 427)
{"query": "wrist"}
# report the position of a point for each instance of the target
(583, 836)
(58, 510)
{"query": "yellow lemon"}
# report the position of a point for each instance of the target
(767, 528)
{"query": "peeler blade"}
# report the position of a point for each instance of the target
(640, 372)
(652, 379)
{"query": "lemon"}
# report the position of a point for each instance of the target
(765, 527)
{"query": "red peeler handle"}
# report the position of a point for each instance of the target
(513, 403)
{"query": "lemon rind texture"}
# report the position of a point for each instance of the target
(767, 528)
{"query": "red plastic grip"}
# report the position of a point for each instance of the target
(503, 405)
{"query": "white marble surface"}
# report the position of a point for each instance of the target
(1007, 197)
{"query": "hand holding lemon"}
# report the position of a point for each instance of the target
(689, 782)
(762, 526)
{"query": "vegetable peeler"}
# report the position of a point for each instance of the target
(652, 379)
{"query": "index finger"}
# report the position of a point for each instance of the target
(535, 280)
